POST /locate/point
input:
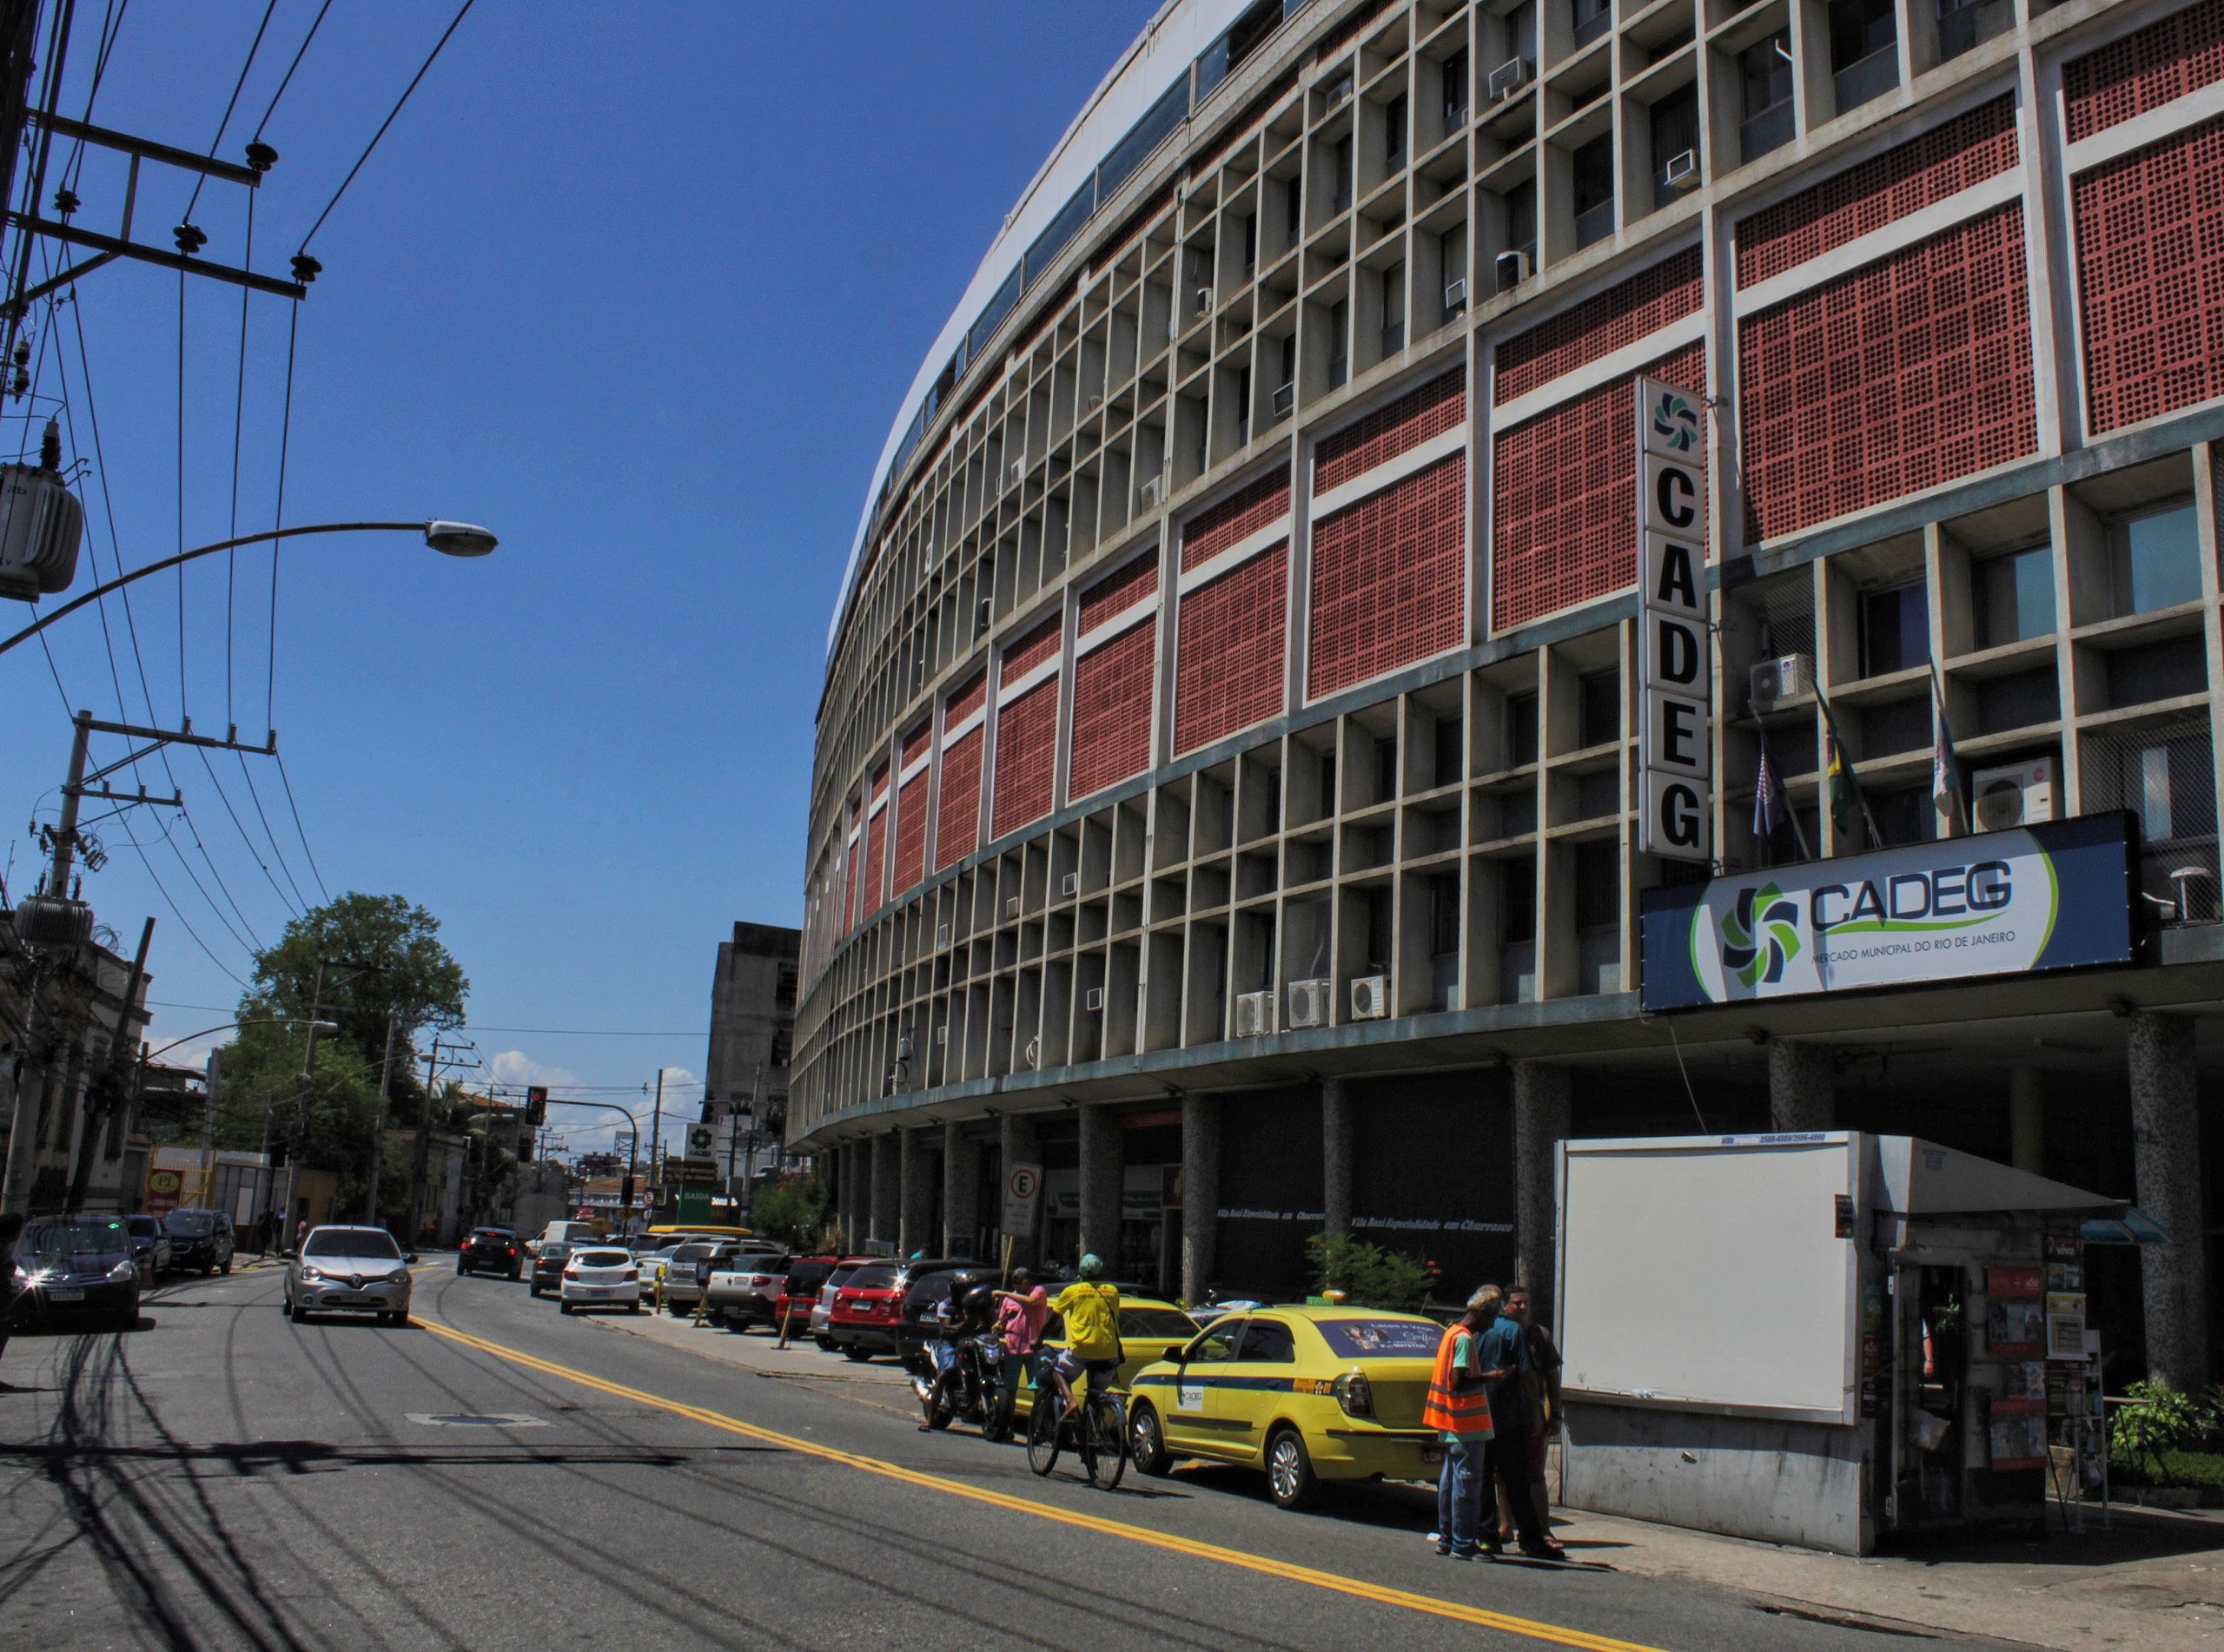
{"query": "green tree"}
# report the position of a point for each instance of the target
(792, 1209)
(1369, 1276)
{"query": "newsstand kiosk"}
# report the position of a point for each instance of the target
(1819, 1338)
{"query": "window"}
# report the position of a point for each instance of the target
(1294, 204)
(1242, 406)
(1518, 897)
(1394, 133)
(1450, 749)
(1590, 19)
(1675, 144)
(1521, 32)
(1599, 697)
(1340, 166)
(1250, 242)
(1599, 885)
(1895, 629)
(1904, 814)
(2155, 559)
(1340, 333)
(1594, 190)
(1520, 227)
(1452, 257)
(1963, 24)
(1520, 729)
(2015, 597)
(1220, 59)
(1393, 308)
(1290, 364)
(1455, 74)
(1864, 50)
(1444, 914)
(1268, 1342)
(1764, 83)
(1217, 1345)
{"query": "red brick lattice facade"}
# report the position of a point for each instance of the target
(1399, 427)
(1614, 319)
(957, 822)
(1112, 710)
(1235, 519)
(1389, 579)
(1232, 645)
(1027, 758)
(2145, 69)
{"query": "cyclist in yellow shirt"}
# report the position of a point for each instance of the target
(1091, 1311)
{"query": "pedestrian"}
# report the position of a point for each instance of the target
(11, 1228)
(1019, 1314)
(1542, 1389)
(1506, 1355)
(1459, 1410)
(301, 1234)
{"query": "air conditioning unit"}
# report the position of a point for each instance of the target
(942, 1033)
(1092, 1002)
(1011, 907)
(1512, 269)
(1506, 79)
(1455, 297)
(1771, 681)
(1682, 171)
(941, 935)
(1285, 399)
(1017, 465)
(1154, 489)
(1254, 1013)
(1336, 93)
(1096, 399)
(1069, 884)
(1034, 1051)
(1309, 1001)
(1370, 997)
(2013, 794)
(1204, 302)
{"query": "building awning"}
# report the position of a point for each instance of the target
(2130, 1226)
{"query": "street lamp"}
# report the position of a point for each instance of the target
(449, 538)
(226, 1026)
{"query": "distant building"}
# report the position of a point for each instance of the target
(753, 1035)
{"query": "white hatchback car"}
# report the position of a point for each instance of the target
(600, 1276)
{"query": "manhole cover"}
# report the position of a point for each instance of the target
(475, 1419)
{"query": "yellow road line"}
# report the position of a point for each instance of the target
(1284, 1569)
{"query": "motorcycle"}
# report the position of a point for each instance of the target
(965, 1384)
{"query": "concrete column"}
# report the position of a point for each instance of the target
(916, 1211)
(2165, 1149)
(1335, 1158)
(1540, 1121)
(961, 1192)
(1200, 1124)
(882, 1219)
(1103, 1168)
(2027, 1119)
(1803, 1087)
(1020, 1147)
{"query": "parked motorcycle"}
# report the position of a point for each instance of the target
(965, 1384)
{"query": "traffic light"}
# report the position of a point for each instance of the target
(536, 1106)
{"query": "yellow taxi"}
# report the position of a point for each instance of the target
(1151, 1330)
(1307, 1394)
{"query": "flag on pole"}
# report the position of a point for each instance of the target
(1945, 766)
(1837, 785)
(1768, 799)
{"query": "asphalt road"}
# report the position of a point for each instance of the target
(222, 1478)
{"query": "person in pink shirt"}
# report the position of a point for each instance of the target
(1019, 1314)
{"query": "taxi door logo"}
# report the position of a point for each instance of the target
(1760, 935)
(1675, 421)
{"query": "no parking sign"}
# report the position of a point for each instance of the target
(1023, 1194)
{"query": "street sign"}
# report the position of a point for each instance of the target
(1023, 1196)
(699, 1167)
(1675, 664)
(700, 1138)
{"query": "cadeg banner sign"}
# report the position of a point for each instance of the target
(2054, 895)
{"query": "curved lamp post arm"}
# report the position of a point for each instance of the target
(454, 538)
(226, 1026)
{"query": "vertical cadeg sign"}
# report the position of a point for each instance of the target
(1675, 741)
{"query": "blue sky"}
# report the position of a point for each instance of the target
(638, 287)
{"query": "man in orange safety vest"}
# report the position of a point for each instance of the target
(1459, 1410)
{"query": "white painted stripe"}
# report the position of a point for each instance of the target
(954, 732)
(1434, 451)
(1121, 623)
(917, 768)
(1895, 237)
(1236, 555)
(1615, 364)
(2173, 118)
(1007, 692)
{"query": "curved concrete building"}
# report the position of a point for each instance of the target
(1251, 783)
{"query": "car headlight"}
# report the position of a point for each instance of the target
(400, 1276)
(122, 1271)
(310, 1275)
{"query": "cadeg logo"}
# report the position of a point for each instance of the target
(1675, 421)
(1760, 935)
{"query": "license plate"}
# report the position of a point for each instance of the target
(1432, 1454)
(592, 1290)
(66, 1294)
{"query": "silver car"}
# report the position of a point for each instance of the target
(357, 1270)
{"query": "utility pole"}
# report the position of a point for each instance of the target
(749, 1156)
(656, 1150)
(378, 1131)
(423, 1169)
(121, 1059)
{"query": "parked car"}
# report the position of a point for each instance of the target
(822, 1311)
(653, 1265)
(77, 1268)
(921, 1297)
(799, 1290)
(681, 1285)
(151, 1244)
(492, 1250)
(200, 1239)
(1150, 1330)
(1307, 1394)
(744, 1290)
(600, 1276)
(357, 1270)
(548, 1261)
(868, 1308)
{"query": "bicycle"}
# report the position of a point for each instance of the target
(1097, 1425)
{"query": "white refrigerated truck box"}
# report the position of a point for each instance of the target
(1744, 1321)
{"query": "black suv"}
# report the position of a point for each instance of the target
(200, 1239)
(492, 1250)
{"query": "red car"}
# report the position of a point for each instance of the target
(868, 1308)
(799, 1291)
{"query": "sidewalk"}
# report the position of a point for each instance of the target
(2154, 1581)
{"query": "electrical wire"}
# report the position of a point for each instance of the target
(313, 872)
(315, 23)
(253, 46)
(375, 136)
(285, 446)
